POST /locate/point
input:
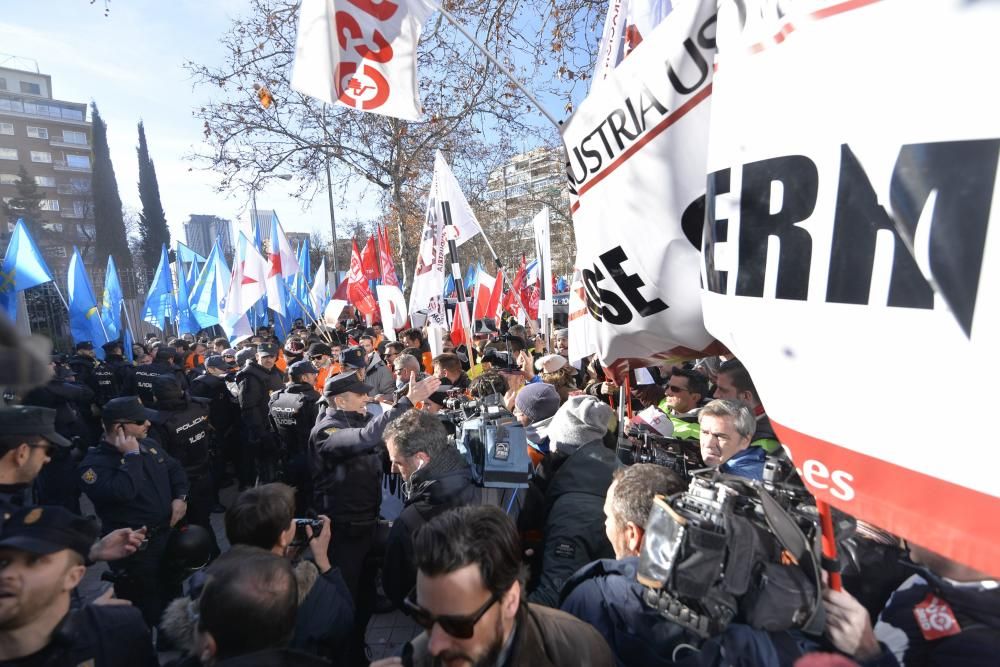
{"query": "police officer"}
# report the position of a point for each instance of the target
(43, 549)
(28, 440)
(223, 413)
(256, 381)
(183, 428)
(132, 483)
(293, 412)
(57, 482)
(110, 373)
(346, 459)
(141, 383)
(83, 362)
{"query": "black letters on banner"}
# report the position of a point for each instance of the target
(956, 178)
(800, 182)
(606, 304)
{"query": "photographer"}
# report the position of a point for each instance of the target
(437, 478)
(605, 593)
(726, 429)
(263, 517)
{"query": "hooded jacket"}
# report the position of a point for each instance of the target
(323, 621)
(444, 483)
(573, 483)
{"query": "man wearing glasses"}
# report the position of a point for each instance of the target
(684, 392)
(469, 600)
(134, 483)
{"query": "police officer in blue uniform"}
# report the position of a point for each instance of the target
(183, 428)
(133, 483)
(292, 412)
(28, 440)
(347, 458)
(45, 548)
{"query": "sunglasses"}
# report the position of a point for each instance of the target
(316, 357)
(459, 627)
(674, 388)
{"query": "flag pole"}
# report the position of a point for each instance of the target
(456, 272)
(323, 329)
(489, 56)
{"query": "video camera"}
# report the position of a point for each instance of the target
(492, 440)
(640, 445)
(732, 549)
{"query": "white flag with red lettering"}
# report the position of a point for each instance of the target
(361, 54)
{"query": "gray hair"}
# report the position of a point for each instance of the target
(404, 361)
(635, 488)
(738, 411)
(417, 431)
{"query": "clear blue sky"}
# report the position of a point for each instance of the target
(131, 64)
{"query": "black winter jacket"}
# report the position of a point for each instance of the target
(440, 485)
(255, 386)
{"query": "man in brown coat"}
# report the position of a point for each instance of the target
(469, 599)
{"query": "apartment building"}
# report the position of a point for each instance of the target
(51, 139)
(200, 232)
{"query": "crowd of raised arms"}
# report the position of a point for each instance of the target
(552, 513)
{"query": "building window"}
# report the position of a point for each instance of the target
(6, 128)
(45, 181)
(87, 230)
(71, 137)
(72, 114)
(79, 208)
(52, 227)
(31, 88)
(11, 105)
(41, 156)
(49, 204)
(56, 251)
(78, 161)
(8, 153)
(38, 132)
(8, 179)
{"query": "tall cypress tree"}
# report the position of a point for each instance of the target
(109, 223)
(154, 229)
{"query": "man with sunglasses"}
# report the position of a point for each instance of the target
(134, 483)
(684, 392)
(469, 599)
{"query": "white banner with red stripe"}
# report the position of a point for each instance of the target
(644, 134)
(849, 259)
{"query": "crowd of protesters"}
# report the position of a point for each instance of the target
(313, 430)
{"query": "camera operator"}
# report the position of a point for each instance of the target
(263, 517)
(247, 612)
(945, 614)
(469, 598)
(437, 478)
(42, 555)
(565, 507)
(346, 459)
(733, 382)
(133, 483)
(726, 429)
(605, 593)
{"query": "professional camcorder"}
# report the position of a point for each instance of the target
(492, 440)
(640, 445)
(731, 549)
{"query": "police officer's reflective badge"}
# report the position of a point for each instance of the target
(89, 476)
(33, 516)
(152, 451)
(330, 431)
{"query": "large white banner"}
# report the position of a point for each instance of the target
(428, 274)
(455, 208)
(850, 259)
(361, 54)
(637, 152)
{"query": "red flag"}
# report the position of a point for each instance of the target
(457, 330)
(531, 302)
(523, 292)
(494, 307)
(483, 290)
(385, 256)
(357, 285)
(369, 260)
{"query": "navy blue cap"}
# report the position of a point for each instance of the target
(267, 349)
(300, 368)
(216, 361)
(353, 357)
(30, 420)
(126, 409)
(46, 530)
(347, 381)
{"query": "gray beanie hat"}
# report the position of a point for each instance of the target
(580, 420)
(538, 401)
